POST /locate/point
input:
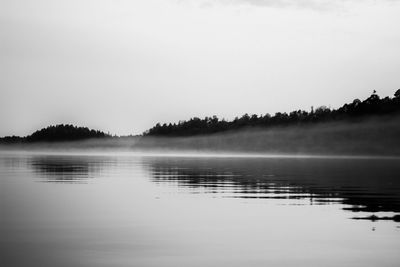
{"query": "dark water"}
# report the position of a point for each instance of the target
(131, 210)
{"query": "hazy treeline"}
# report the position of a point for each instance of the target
(61, 132)
(369, 127)
(373, 105)
(378, 135)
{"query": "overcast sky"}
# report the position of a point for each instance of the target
(122, 66)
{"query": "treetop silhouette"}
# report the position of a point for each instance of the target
(373, 105)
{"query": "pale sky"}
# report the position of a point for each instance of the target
(122, 66)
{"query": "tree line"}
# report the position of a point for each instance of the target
(373, 105)
(60, 132)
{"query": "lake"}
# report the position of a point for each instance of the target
(123, 209)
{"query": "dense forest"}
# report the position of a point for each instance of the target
(373, 105)
(61, 132)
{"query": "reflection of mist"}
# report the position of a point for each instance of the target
(361, 184)
(65, 169)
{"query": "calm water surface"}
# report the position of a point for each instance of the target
(129, 210)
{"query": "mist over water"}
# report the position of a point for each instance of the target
(374, 136)
(174, 133)
(367, 137)
(126, 209)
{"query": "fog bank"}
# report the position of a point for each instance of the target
(373, 136)
(379, 136)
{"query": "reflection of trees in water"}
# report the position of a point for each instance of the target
(361, 184)
(67, 169)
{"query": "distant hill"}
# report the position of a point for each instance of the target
(355, 111)
(57, 133)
